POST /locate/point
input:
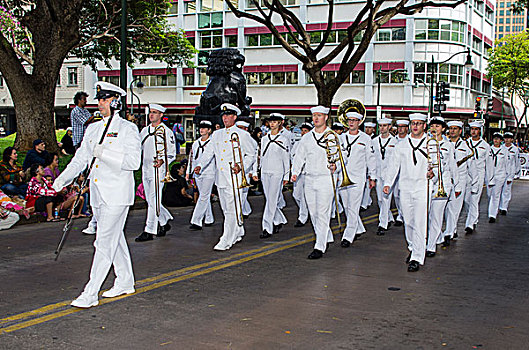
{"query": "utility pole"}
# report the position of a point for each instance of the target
(123, 61)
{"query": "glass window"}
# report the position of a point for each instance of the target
(508, 20)
(265, 39)
(190, 7)
(315, 37)
(210, 39)
(265, 78)
(203, 58)
(252, 40)
(358, 77)
(113, 80)
(189, 79)
(398, 34)
(328, 76)
(231, 41)
(278, 78)
(202, 77)
(72, 76)
(383, 35)
(252, 78)
(382, 76)
(173, 8)
(210, 20)
(292, 77)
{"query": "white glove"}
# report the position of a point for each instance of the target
(98, 151)
(58, 185)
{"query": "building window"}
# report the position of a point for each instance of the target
(203, 58)
(452, 73)
(508, 20)
(356, 77)
(112, 80)
(250, 3)
(231, 41)
(391, 77)
(445, 30)
(391, 34)
(500, 29)
(210, 20)
(477, 44)
(189, 79)
(190, 7)
(173, 8)
(275, 78)
(480, 6)
(500, 21)
(474, 83)
(158, 80)
(315, 37)
(202, 77)
(72, 76)
(210, 39)
(211, 5)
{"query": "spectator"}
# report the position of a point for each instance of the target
(8, 219)
(80, 118)
(52, 167)
(178, 131)
(7, 203)
(12, 177)
(66, 144)
(265, 126)
(37, 155)
(175, 193)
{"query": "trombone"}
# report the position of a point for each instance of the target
(160, 150)
(434, 162)
(235, 184)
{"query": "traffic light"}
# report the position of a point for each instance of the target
(478, 103)
(444, 91)
(490, 104)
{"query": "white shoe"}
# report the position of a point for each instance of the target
(90, 230)
(117, 291)
(84, 301)
(221, 246)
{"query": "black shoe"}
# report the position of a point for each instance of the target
(144, 237)
(398, 223)
(208, 225)
(345, 243)
(455, 236)
(381, 231)
(277, 228)
(446, 242)
(503, 212)
(362, 209)
(316, 254)
(195, 227)
(413, 266)
(492, 220)
(469, 230)
(299, 224)
(265, 235)
(430, 254)
(408, 258)
(162, 230)
(245, 216)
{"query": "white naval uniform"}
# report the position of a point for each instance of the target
(246, 207)
(411, 167)
(516, 167)
(147, 174)
(396, 187)
(501, 170)
(479, 162)
(221, 151)
(366, 198)
(111, 193)
(450, 181)
(275, 168)
(298, 192)
(291, 137)
(204, 182)
(311, 158)
(359, 160)
(467, 180)
(384, 150)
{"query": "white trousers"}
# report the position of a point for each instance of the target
(452, 211)
(506, 195)
(435, 233)
(366, 199)
(352, 196)
(396, 195)
(232, 233)
(272, 214)
(111, 249)
(340, 200)
(203, 209)
(246, 208)
(472, 202)
(151, 225)
(385, 216)
(494, 198)
(414, 214)
(298, 193)
(319, 196)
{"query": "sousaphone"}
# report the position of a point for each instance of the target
(351, 105)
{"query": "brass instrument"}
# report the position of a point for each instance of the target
(160, 150)
(236, 149)
(350, 105)
(434, 161)
(467, 157)
(332, 141)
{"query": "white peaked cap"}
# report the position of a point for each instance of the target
(243, 124)
(384, 121)
(350, 115)
(103, 86)
(476, 124)
(157, 107)
(277, 116)
(418, 116)
(457, 123)
(403, 122)
(229, 107)
(508, 134)
(370, 124)
(205, 123)
(320, 109)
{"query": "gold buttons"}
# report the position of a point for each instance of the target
(97, 165)
(95, 180)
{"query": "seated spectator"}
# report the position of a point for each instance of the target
(66, 143)
(36, 155)
(12, 178)
(175, 193)
(8, 219)
(52, 167)
(7, 203)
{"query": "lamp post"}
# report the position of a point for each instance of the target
(140, 86)
(405, 79)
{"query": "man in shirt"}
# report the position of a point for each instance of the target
(80, 118)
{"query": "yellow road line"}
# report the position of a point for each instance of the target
(296, 241)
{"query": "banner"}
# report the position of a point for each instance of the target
(524, 161)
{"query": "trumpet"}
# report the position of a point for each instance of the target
(236, 186)
(434, 162)
(160, 150)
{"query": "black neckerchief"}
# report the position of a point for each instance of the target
(458, 143)
(149, 134)
(201, 147)
(475, 148)
(270, 141)
(350, 145)
(383, 148)
(417, 149)
(320, 142)
(495, 156)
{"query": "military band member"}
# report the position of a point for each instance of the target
(384, 146)
(298, 192)
(153, 162)
(402, 135)
(246, 207)
(338, 128)
(467, 178)
(275, 172)
(205, 180)
(369, 129)
(410, 163)
(502, 173)
(516, 166)
(449, 181)
(359, 160)
(479, 161)
(311, 157)
(221, 150)
(111, 192)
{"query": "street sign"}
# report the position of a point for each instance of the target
(379, 112)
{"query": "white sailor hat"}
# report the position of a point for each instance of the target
(418, 116)
(337, 126)
(157, 107)
(243, 124)
(370, 125)
(402, 122)
(438, 120)
(384, 121)
(276, 116)
(508, 134)
(355, 115)
(205, 124)
(476, 124)
(306, 126)
(497, 135)
(228, 108)
(457, 123)
(320, 109)
(106, 90)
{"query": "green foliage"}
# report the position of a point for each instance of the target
(509, 62)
